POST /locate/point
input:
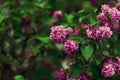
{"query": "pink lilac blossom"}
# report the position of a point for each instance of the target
(107, 22)
(115, 14)
(98, 32)
(103, 32)
(59, 34)
(118, 65)
(71, 47)
(57, 14)
(118, 6)
(105, 8)
(60, 74)
(108, 70)
(69, 31)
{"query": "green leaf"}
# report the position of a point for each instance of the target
(19, 77)
(6, 4)
(75, 70)
(117, 50)
(43, 5)
(50, 20)
(92, 20)
(106, 53)
(98, 61)
(3, 58)
(43, 39)
(76, 39)
(36, 50)
(69, 18)
(3, 17)
(87, 51)
(88, 9)
(60, 47)
(83, 18)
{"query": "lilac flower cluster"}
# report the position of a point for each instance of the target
(105, 20)
(98, 32)
(118, 6)
(118, 65)
(71, 46)
(60, 74)
(114, 13)
(59, 34)
(109, 67)
(108, 70)
(57, 14)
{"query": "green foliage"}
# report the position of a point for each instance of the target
(87, 51)
(75, 70)
(19, 77)
(26, 48)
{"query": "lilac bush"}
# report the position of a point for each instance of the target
(59, 40)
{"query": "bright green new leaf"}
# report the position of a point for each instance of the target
(2, 17)
(43, 39)
(87, 51)
(19, 77)
(106, 53)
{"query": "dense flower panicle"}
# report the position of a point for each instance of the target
(99, 33)
(118, 6)
(115, 14)
(102, 17)
(117, 64)
(69, 31)
(60, 74)
(91, 32)
(71, 46)
(103, 32)
(108, 70)
(105, 8)
(58, 34)
(57, 14)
